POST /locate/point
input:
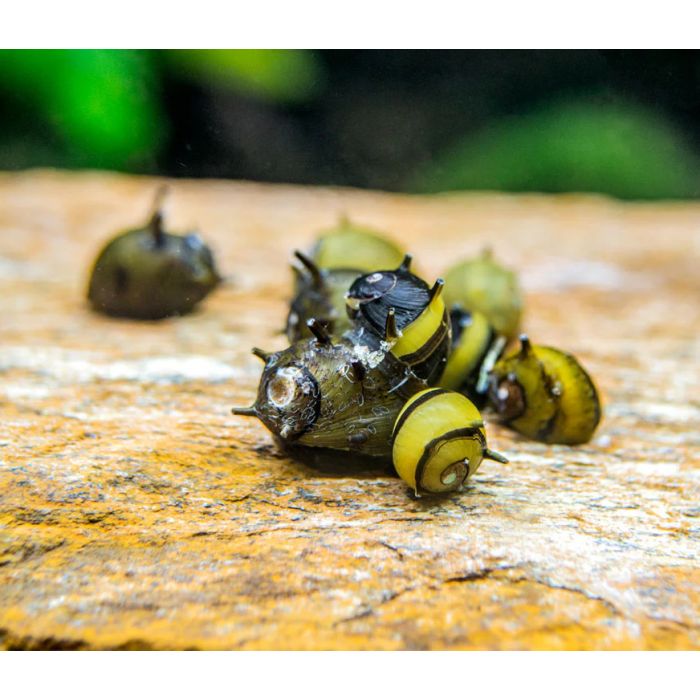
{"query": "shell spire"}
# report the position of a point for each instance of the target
(155, 224)
(245, 411)
(311, 267)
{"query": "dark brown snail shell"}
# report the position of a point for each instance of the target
(147, 273)
(342, 395)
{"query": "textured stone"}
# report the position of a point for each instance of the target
(136, 512)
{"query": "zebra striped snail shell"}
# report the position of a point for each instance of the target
(439, 441)
(545, 394)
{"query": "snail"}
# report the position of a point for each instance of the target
(319, 294)
(147, 273)
(340, 394)
(349, 246)
(408, 316)
(545, 394)
(475, 348)
(481, 284)
(439, 441)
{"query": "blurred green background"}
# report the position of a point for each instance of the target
(625, 123)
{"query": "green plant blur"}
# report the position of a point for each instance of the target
(109, 109)
(572, 146)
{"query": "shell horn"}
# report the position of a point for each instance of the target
(264, 356)
(155, 224)
(318, 328)
(311, 267)
(525, 346)
(495, 456)
(245, 411)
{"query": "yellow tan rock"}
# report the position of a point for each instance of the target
(136, 512)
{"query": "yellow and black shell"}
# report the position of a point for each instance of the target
(330, 394)
(482, 285)
(349, 246)
(439, 441)
(545, 394)
(475, 348)
(407, 315)
(319, 294)
(147, 273)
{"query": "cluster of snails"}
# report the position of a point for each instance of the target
(380, 363)
(383, 364)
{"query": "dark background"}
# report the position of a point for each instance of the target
(625, 123)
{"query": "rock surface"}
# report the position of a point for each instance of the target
(137, 512)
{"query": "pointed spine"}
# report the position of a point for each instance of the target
(525, 346)
(436, 291)
(405, 265)
(391, 332)
(155, 224)
(264, 356)
(244, 411)
(319, 330)
(495, 456)
(311, 267)
(357, 370)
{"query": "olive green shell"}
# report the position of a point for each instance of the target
(481, 284)
(322, 298)
(349, 246)
(341, 395)
(137, 275)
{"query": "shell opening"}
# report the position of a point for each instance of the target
(508, 398)
(455, 474)
(283, 387)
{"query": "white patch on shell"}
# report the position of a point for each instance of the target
(369, 358)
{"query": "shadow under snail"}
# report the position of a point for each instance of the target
(147, 273)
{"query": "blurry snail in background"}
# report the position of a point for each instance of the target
(545, 394)
(481, 284)
(439, 441)
(147, 273)
(352, 247)
(404, 313)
